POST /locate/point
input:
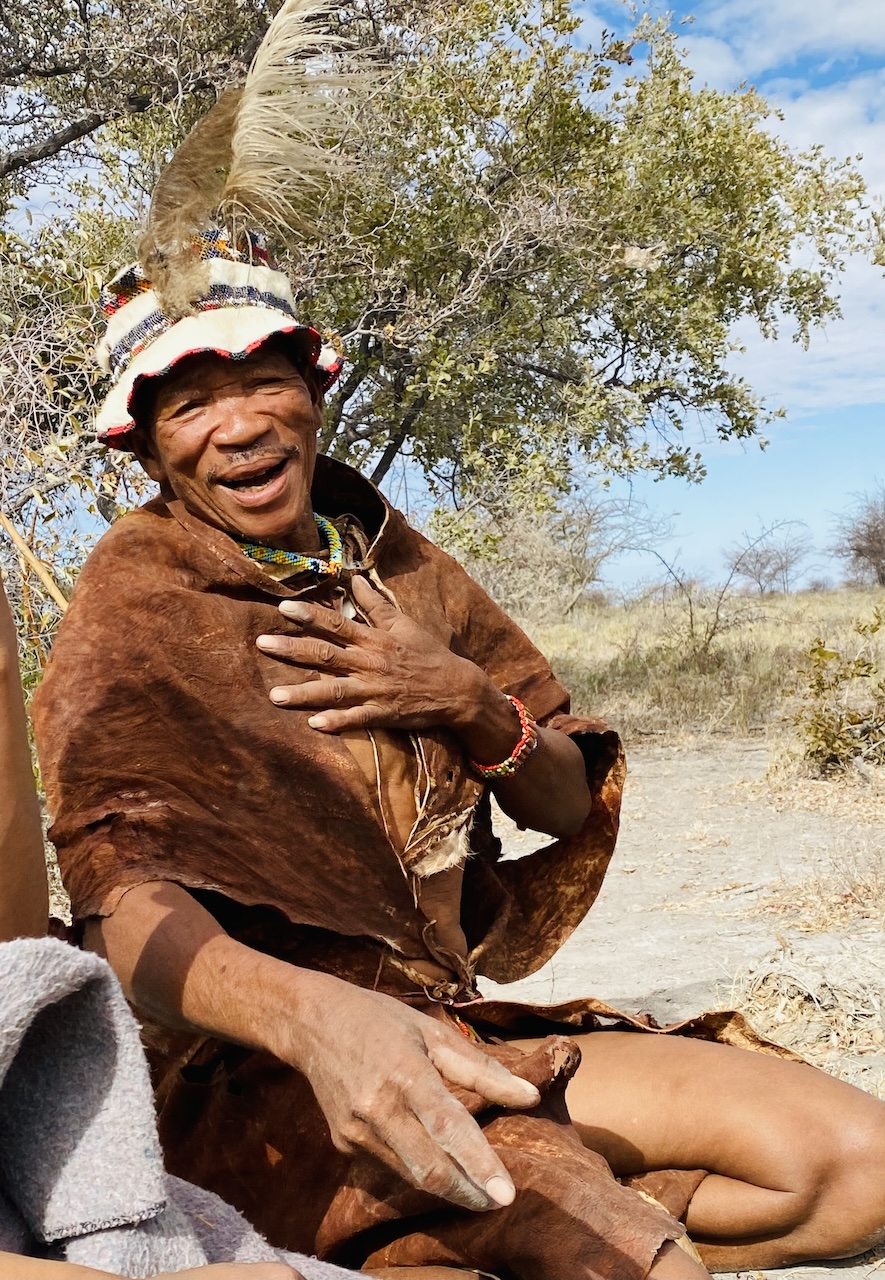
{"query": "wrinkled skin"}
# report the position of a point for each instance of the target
(376, 1066)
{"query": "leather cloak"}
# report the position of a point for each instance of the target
(164, 759)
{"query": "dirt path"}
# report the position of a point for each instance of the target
(702, 843)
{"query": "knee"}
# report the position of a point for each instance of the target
(843, 1192)
(857, 1149)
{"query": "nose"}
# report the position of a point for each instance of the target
(238, 424)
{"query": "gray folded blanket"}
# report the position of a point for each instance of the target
(81, 1172)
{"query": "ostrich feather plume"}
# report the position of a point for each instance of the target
(187, 191)
(259, 153)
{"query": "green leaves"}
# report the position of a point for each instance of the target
(559, 255)
(841, 719)
(542, 250)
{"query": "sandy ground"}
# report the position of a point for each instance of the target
(704, 843)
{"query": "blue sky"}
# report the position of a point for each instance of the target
(823, 64)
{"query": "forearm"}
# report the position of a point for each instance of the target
(24, 897)
(14, 1267)
(176, 963)
(373, 1063)
(549, 793)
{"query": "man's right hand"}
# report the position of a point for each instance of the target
(377, 1068)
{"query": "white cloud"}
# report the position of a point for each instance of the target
(767, 34)
(713, 61)
(847, 119)
(845, 364)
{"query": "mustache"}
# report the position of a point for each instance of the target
(245, 457)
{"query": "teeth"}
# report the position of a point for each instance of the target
(251, 483)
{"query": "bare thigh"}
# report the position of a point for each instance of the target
(796, 1155)
(650, 1102)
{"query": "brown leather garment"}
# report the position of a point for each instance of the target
(247, 1125)
(163, 758)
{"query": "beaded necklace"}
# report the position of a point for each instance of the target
(303, 564)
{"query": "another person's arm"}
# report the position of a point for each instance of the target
(394, 675)
(374, 1064)
(24, 895)
(14, 1267)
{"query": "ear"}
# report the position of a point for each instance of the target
(314, 386)
(142, 444)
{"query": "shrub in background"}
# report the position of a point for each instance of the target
(841, 719)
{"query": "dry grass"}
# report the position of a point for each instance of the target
(853, 891)
(644, 665)
(850, 885)
(826, 1004)
(860, 796)
(641, 666)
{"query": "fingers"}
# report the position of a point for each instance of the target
(328, 623)
(317, 693)
(463, 1065)
(342, 703)
(374, 605)
(304, 651)
(453, 1130)
(328, 694)
(427, 1148)
(368, 715)
(417, 1138)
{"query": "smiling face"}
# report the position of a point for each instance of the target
(235, 440)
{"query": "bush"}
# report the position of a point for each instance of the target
(841, 720)
(644, 666)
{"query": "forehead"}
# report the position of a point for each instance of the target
(207, 370)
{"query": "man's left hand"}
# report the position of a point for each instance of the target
(390, 674)
(393, 674)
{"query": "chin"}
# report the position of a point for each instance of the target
(270, 523)
(270, 529)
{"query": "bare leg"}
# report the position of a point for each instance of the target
(670, 1264)
(674, 1264)
(796, 1158)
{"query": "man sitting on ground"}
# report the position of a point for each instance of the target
(270, 730)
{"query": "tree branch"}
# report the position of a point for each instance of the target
(77, 129)
(397, 440)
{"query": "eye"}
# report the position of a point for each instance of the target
(184, 407)
(180, 410)
(274, 382)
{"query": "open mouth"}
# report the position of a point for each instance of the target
(255, 480)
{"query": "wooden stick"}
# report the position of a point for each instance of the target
(52, 587)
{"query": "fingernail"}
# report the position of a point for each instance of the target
(531, 1093)
(269, 642)
(294, 609)
(277, 695)
(318, 722)
(501, 1190)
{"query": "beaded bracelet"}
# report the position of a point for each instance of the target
(528, 741)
